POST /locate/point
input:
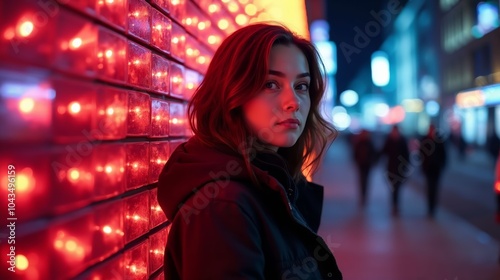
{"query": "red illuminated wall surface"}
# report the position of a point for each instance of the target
(92, 102)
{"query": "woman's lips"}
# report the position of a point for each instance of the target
(290, 123)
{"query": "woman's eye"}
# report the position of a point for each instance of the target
(271, 85)
(302, 87)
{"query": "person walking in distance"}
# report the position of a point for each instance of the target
(397, 167)
(433, 153)
(364, 156)
(496, 190)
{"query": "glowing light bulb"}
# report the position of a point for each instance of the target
(109, 169)
(232, 7)
(73, 175)
(133, 268)
(202, 60)
(26, 105)
(109, 53)
(223, 24)
(74, 107)
(241, 19)
(22, 262)
(212, 8)
(23, 182)
(212, 39)
(250, 9)
(107, 229)
(25, 28)
(75, 43)
(70, 245)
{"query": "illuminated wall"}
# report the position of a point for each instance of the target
(292, 13)
(92, 101)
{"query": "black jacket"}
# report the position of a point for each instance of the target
(225, 227)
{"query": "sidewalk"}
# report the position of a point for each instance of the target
(371, 244)
(466, 189)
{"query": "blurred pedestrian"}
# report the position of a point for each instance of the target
(492, 143)
(364, 156)
(462, 146)
(496, 188)
(433, 153)
(398, 168)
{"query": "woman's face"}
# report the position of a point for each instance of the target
(278, 113)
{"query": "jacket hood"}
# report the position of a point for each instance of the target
(193, 165)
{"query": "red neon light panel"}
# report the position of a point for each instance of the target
(160, 74)
(139, 19)
(136, 216)
(137, 164)
(139, 65)
(111, 56)
(161, 31)
(139, 114)
(159, 156)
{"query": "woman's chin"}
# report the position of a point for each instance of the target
(285, 143)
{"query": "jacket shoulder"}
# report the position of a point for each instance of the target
(241, 193)
(228, 190)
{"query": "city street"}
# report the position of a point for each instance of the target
(370, 243)
(467, 190)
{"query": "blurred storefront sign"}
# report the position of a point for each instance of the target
(483, 96)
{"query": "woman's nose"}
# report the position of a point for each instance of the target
(291, 101)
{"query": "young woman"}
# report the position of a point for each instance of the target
(235, 192)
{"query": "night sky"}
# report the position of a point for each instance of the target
(343, 17)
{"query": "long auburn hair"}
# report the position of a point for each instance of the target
(237, 72)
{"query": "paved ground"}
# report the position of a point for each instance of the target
(467, 190)
(370, 243)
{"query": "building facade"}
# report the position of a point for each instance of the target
(470, 46)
